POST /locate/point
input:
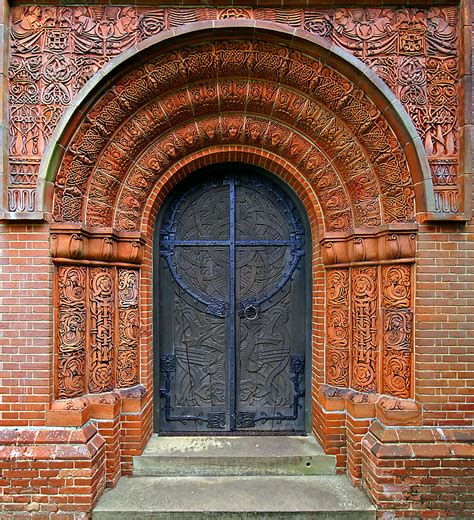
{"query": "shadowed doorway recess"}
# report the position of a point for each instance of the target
(232, 306)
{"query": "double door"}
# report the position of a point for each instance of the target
(232, 307)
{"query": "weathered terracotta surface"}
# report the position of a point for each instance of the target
(55, 50)
(97, 333)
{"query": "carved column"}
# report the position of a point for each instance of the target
(129, 326)
(70, 332)
(369, 310)
(102, 296)
(97, 324)
(364, 348)
(338, 336)
(397, 310)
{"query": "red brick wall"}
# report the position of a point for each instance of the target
(444, 333)
(419, 472)
(25, 324)
(56, 471)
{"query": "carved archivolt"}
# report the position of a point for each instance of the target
(228, 130)
(319, 119)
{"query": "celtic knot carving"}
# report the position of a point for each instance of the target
(128, 288)
(127, 354)
(101, 285)
(338, 287)
(337, 327)
(71, 332)
(358, 354)
(364, 328)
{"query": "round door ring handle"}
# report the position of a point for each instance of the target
(251, 312)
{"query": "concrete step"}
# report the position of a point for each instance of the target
(219, 456)
(183, 498)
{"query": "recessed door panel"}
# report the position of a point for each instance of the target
(232, 308)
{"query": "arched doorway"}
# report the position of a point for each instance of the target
(231, 305)
(343, 146)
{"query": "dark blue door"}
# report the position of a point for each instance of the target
(232, 307)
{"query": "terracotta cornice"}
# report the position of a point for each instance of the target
(384, 244)
(78, 244)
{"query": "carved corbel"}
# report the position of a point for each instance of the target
(391, 411)
(132, 398)
(384, 244)
(74, 242)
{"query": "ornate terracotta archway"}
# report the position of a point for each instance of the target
(257, 94)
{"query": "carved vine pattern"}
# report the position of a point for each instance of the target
(55, 50)
(129, 326)
(337, 328)
(397, 330)
(71, 353)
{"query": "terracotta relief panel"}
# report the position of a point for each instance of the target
(101, 311)
(97, 330)
(55, 50)
(337, 327)
(397, 330)
(129, 326)
(415, 51)
(364, 295)
(369, 323)
(71, 324)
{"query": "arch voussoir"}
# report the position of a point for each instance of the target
(314, 98)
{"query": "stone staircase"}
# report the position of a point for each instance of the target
(236, 478)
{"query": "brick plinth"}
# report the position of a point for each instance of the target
(136, 429)
(58, 471)
(419, 472)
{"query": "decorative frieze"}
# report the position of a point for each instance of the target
(96, 330)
